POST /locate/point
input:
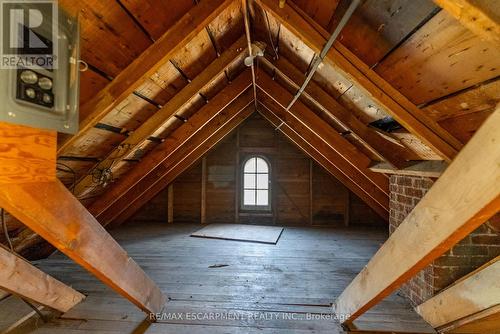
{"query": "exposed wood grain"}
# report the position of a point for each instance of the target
(152, 124)
(482, 17)
(21, 278)
(26, 154)
(484, 97)
(110, 38)
(476, 293)
(324, 155)
(377, 26)
(373, 85)
(183, 133)
(50, 210)
(441, 58)
(147, 63)
(423, 168)
(394, 153)
(321, 129)
(157, 16)
(202, 142)
(446, 214)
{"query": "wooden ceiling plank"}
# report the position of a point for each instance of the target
(340, 58)
(146, 64)
(185, 161)
(482, 17)
(42, 289)
(323, 130)
(395, 154)
(464, 197)
(479, 291)
(431, 168)
(173, 142)
(322, 156)
(158, 119)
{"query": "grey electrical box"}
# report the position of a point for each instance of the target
(39, 90)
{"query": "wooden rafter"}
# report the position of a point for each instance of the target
(396, 154)
(319, 153)
(341, 59)
(146, 64)
(43, 289)
(482, 17)
(31, 192)
(234, 54)
(345, 150)
(155, 175)
(466, 195)
(155, 158)
(477, 292)
(205, 142)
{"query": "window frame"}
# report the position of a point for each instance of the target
(260, 208)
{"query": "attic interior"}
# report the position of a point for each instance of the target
(260, 166)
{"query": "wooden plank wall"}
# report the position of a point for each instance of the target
(292, 189)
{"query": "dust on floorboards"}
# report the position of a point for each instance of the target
(221, 286)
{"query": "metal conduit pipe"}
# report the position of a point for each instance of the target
(318, 59)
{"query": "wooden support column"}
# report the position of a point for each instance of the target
(477, 292)
(30, 191)
(170, 217)
(341, 59)
(203, 209)
(21, 278)
(464, 197)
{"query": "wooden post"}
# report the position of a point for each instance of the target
(237, 180)
(30, 191)
(170, 217)
(21, 278)
(311, 166)
(347, 208)
(203, 210)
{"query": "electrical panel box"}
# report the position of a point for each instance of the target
(44, 96)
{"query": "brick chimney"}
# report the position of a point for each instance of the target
(470, 253)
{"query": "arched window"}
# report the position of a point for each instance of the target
(256, 184)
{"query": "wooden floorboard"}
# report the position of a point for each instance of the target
(258, 288)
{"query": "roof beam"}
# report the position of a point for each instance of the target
(393, 153)
(42, 202)
(155, 159)
(342, 60)
(43, 289)
(323, 130)
(482, 17)
(466, 195)
(324, 156)
(427, 168)
(477, 292)
(146, 64)
(203, 143)
(234, 54)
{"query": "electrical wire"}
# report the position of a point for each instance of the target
(68, 170)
